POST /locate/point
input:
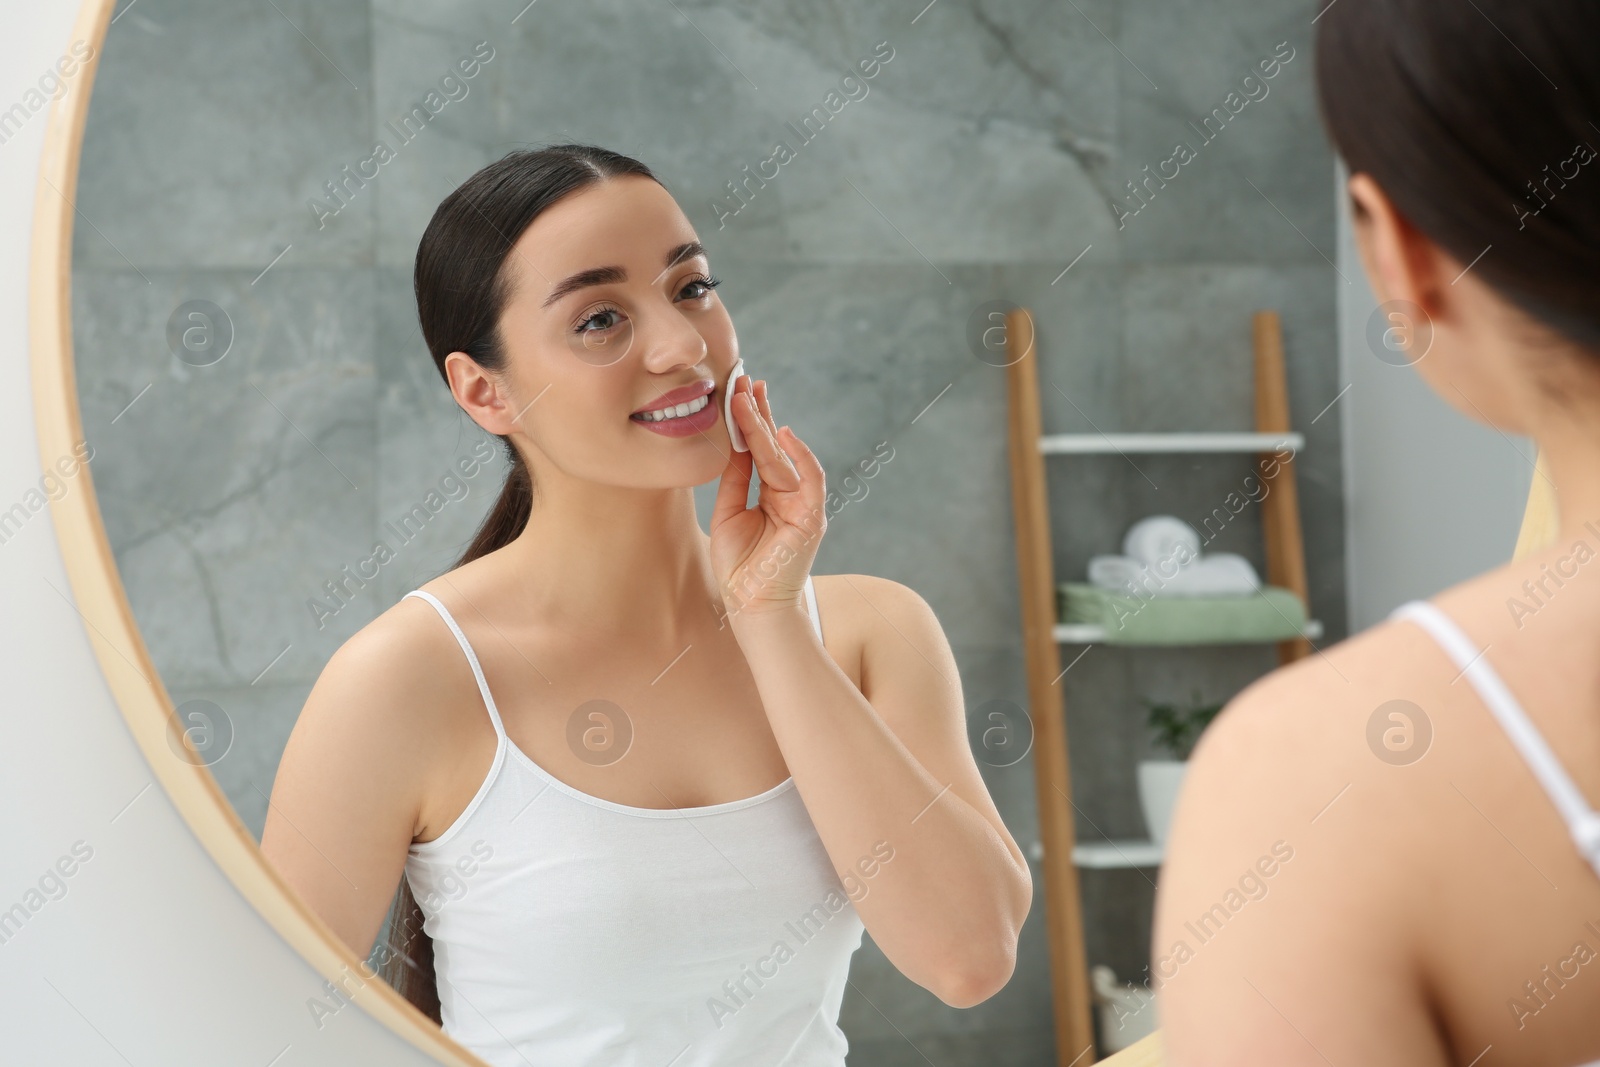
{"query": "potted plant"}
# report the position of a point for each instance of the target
(1176, 730)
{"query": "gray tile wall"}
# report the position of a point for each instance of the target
(989, 153)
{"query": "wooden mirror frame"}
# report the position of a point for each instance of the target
(98, 591)
(133, 680)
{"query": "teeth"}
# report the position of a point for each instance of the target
(676, 412)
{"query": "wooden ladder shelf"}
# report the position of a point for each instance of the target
(1042, 633)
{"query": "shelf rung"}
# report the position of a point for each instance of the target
(1109, 443)
(1084, 633)
(1108, 855)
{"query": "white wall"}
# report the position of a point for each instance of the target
(145, 953)
(1431, 496)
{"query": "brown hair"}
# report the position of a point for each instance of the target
(1465, 115)
(462, 288)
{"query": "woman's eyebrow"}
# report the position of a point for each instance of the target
(612, 275)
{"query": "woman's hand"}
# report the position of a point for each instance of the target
(763, 554)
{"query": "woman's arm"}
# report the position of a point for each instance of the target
(886, 774)
(890, 766)
(344, 805)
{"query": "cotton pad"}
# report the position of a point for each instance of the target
(735, 435)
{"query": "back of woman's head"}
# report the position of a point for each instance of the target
(1478, 119)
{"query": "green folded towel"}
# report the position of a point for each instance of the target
(1271, 614)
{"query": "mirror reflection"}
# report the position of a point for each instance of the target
(716, 534)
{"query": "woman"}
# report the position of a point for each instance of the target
(692, 788)
(1387, 852)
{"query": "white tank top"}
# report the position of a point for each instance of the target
(572, 930)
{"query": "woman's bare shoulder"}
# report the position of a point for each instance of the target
(1390, 788)
(858, 599)
(405, 638)
(383, 687)
(1301, 829)
(1330, 748)
(1302, 752)
(858, 609)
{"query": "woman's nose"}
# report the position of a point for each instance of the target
(667, 340)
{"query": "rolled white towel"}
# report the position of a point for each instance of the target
(1161, 539)
(1219, 574)
(1116, 573)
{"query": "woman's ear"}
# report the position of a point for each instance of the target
(1401, 262)
(480, 394)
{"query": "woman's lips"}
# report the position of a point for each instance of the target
(686, 425)
(683, 394)
(702, 392)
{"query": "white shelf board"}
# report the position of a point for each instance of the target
(1107, 443)
(1084, 633)
(1105, 855)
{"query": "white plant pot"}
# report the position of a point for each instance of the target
(1127, 1013)
(1159, 783)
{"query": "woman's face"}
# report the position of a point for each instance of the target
(610, 312)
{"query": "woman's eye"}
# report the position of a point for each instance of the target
(603, 313)
(705, 285)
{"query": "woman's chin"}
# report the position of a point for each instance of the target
(698, 464)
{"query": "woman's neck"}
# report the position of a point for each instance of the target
(619, 561)
(1572, 456)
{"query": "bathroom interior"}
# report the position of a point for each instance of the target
(1141, 179)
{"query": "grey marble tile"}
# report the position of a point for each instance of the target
(231, 492)
(1077, 308)
(212, 127)
(1187, 343)
(878, 994)
(936, 520)
(437, 141)
(1268, 134)
(259, 719)
(646, 79)
(991, 126)
(986, 148)
(439, 473)
(880, 1002)
(1000, 731)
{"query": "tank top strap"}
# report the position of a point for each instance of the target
(811, 608)
(1583, 822)
(472, 657)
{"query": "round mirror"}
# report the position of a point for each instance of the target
(225, 329)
